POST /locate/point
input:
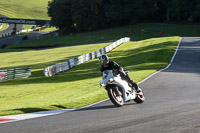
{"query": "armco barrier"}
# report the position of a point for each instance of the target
(4, 35)
(26, 30)
(21, 31)
(64, 66)
(9, 74)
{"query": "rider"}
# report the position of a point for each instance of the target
(111, 65)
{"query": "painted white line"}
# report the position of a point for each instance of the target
(33, 115)
(1, 26)
(54, 112)
(42, 114)
(165, 67)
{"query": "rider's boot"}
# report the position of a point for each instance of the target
(133, 84)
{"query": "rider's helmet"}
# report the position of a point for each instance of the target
(104, 59)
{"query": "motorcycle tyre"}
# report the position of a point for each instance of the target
(138, 99)
(112, 98)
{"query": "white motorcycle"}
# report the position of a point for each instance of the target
(119, 91)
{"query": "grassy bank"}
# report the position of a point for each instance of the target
(27, 9)
(79, 86)
(5, 26)
(135, 32)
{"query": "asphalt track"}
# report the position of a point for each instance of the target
(18, 39)
(11, 26)
(10, 30)
(172, 105)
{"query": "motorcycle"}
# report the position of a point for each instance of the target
(119, 91)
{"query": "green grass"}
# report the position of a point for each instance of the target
(27, 9)
(50, 29)
(43, 58)
(149, 31)
(79, 86)
(5, 26)
(28, 26)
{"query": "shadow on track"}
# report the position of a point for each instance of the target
(111, 106)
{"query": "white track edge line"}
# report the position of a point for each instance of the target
(166, 66)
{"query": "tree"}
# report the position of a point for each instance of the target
(122, 12)
(195, 14)
(86, 15)
(61, 14)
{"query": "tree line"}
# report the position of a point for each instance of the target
(85, 15)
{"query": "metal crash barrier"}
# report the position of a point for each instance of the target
(9, 74)
(64, 66)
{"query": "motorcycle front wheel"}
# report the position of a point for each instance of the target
(116, 99)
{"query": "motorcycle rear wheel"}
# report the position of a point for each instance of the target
(140, 97)
(116, 100)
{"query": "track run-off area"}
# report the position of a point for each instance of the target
(172, 104)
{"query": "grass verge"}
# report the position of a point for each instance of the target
(79, 86)
(5, 26)
(27, 9)
(135, 32)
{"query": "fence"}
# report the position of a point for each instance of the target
(9, 74)
(64, 66)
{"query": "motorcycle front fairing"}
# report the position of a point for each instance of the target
(128, 92)
(107, 75)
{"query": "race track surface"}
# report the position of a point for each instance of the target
(11, 26)
(9, 30)
(18, 39)
(172, 105)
